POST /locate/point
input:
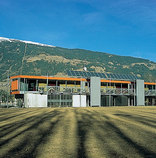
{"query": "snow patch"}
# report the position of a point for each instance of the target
(29, 42)
(5, 39)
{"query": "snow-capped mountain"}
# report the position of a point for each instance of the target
(30, 42)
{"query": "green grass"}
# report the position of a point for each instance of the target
(78, 132)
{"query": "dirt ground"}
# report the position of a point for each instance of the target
(78, 132)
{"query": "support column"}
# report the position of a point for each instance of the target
(140, 97)
(95, 95)
(19, 80)
(128, 101)
(82, 86)
(153, 101)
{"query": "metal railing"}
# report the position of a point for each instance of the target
(104, 91)
(117, 91)
(86, 90)
(58, 89)
(150, 92)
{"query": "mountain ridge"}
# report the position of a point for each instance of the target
(30, 42)
(32, 58)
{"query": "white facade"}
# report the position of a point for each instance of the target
(79, 100)
(35, 100)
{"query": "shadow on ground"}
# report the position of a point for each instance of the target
(97, 134)
(113, 142)
(31, 136)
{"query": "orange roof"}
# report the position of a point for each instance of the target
(49, 78)
(150, 83)
(72, 79)
(64, 78)
(114, 81)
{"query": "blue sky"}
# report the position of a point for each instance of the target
(122, 27)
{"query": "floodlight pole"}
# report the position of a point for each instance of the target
(80, 91)
(110, 92)
(7, 88)
(155, 93)
(47, 83)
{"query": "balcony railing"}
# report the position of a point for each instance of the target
(104, 91)
(58, 89)
(117, 91)
(86, 90)
(150, 92)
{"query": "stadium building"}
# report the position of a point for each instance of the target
(82, 89)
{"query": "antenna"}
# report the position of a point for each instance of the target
(85, 69)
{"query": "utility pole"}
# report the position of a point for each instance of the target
(110, 92)
(7, 88)
(81, 91)
(47, 83)
(155, 94)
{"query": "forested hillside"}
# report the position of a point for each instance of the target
(19, 57)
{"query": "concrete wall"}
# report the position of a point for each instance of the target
(140, 97)
(35, 100)
(95, 95)
(79, 100)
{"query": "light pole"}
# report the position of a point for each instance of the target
(110, 92)
(7, 88)
(155, 93)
